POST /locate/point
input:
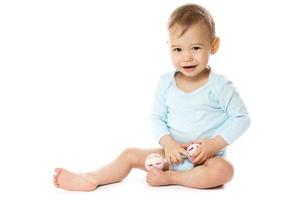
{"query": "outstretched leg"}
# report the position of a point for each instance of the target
(114, 172)
(214, 172)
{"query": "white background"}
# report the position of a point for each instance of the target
(77, 80)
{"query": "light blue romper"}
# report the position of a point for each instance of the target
(215, 108)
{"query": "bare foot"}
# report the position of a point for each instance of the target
(73, 181)
(157, 177)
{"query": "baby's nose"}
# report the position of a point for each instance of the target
(187, 56)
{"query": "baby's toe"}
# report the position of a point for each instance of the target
(55, 183)
(58, 170)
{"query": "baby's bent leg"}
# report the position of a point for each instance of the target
(213, 173)
(114, 172)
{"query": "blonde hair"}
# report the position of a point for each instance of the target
(190, 14)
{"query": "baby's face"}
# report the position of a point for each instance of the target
(190, 52)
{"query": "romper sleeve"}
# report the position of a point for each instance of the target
(231, 103)
(159, 110)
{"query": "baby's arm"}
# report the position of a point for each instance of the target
(159, 111)
(173, 149)
(232, 104)
(235, 125)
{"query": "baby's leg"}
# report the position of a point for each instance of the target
(214, 172)
(111, 173)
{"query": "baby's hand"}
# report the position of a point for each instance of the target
(205, 151)
(186, 145)
(174, 153)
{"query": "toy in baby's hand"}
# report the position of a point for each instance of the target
(154, 160)
(192, 149)
(187, 160)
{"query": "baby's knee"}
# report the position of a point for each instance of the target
(130, 155)
(223, 171)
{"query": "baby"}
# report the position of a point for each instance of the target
(192, 104)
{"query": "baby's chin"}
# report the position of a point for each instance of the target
(189, 72)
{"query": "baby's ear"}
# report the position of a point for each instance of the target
(215, 45)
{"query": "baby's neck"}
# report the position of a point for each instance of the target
(187, 84)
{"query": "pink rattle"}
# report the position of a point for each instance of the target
(154, 160)
(192, 149)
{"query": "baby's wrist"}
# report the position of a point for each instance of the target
(167, 140)
(219, 142)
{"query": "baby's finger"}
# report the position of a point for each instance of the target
(195, 159)
(174, 159)
(198, 158)
(169, 164)
(184, 152)
(202, 158)
(185, 145)
(179, 158)
(168, 159)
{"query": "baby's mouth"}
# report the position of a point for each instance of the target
(189, 67)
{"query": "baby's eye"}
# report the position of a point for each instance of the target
(196, 48)
(177, 49)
